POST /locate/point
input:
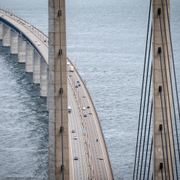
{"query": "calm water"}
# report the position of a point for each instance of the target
(106, 40)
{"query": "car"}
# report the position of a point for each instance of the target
(39, 44)
(76, 86)
(70, 75)
(90, 113)
(84, 96)
(68, 63)
(75, 158)
(44, 40)
(75, 137)
(69, 109)
(79, 84)
(88, 107)
(83, 108)
(100, 158)
(73, 131)
(71, 69)
(85, 115)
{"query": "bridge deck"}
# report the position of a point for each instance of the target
(90, 146)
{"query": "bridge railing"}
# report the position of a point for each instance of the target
(96, 114)
(40, 35)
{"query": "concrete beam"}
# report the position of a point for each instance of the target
(14, 42)
(21, 50)
(36, 68)
(6, 35)
(57, 114)
(43, 79)
(29, 58)
(1, 30)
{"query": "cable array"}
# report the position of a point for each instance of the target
(145, 113)
(169, 106)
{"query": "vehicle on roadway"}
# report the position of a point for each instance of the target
(68, 63)
(75, 158)
(75, 137)
(88, 107)
(73, 131)
(69, 109)
(79, 84)
(84, 108)
(72, 69)
(90, 113)
(85, 115)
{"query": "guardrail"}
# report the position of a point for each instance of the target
(43, 38)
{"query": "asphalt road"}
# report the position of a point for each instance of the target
(98, 151)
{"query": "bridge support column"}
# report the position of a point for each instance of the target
(14, 42)
(29, 58)
(58, 115)
(36, 68)
(43, 80)
(21, 50)
(1, 30)
(162, 117)
(6, 35)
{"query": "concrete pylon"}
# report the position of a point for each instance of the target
(160, 50)
(1, 31)
(14, 42)
(6, 35)
(43, 79)
(56, 145)
(21, 50)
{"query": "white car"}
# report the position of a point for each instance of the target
(72, 69)
(84, 108)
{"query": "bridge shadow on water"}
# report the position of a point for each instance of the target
(24, 122)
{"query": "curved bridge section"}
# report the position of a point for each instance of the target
(89, 157)
(30, 44)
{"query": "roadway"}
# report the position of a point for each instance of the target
(100, 160)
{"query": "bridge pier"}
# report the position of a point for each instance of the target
(163, 147)
(29, 58)
(21, 50)
(36, 68)
(6, 35)
(14, 42)
(43, 80)
(1, 31)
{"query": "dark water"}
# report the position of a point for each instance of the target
(106, 40)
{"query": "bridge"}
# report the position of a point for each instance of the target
(86, 139)
(77, 146)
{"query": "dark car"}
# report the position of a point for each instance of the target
(79, 84)
(76, 86)
(88, 107)
(73, 131)
(85, 115)
(75, 158)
